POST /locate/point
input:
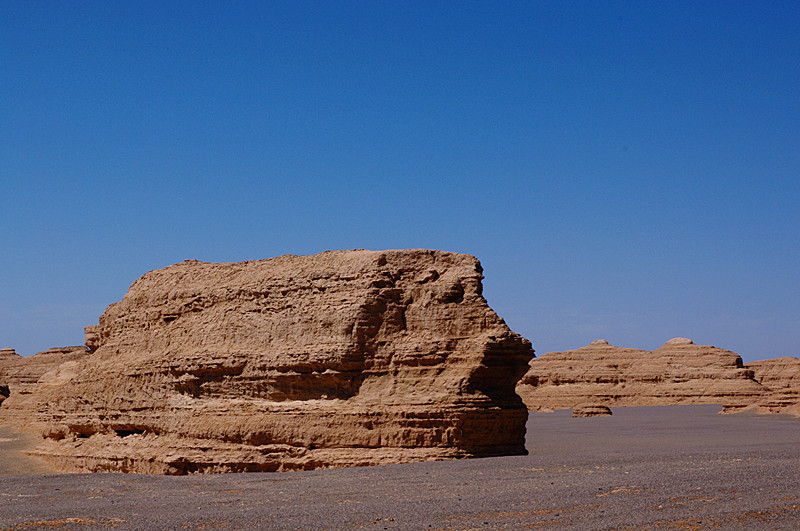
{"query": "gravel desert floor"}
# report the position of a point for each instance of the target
(676, 467)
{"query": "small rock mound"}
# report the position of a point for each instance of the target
(8, 353)
(679, 341)
(591, 410)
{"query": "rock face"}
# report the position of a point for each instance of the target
(5, 354)
(781, 378)
(591, 410)
(338, 359)
(778, 373)
(24, 377)
(22, 373)
(679, 372)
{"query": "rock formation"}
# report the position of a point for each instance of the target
(25, 377)
(591, 410)
(297, 362)
(5, 354)
(781, 378)
(679, 372)
(23, 373)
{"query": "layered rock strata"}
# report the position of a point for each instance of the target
(297, 362)
(22, 373)
(781, 378)
(26, 379)
(679, 372)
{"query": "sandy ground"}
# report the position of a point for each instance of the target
(679, 467)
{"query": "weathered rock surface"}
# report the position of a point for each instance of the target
(781, 378)
(679, 372)
(24, 372)
(777, 373)
(297, 362)
(5, 353)
(591, 410)
(25, 377)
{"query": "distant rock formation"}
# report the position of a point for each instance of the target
(591, 410)
(781, 378)
(298, 362)
(21, 373)
(679, 372)
(25, 377)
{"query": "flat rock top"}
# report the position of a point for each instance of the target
(679, 341)
(345, 265)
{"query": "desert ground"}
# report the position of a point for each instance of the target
(670, 467)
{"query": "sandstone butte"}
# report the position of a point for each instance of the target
(298, 362)
(679, 372)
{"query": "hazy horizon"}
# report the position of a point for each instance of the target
(623, 171)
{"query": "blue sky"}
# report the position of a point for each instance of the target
(623, 170)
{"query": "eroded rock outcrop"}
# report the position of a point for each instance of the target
(781, 378)
(25, 372)
(25, 377)
(679, 372)
(338, 359)
(5, 354)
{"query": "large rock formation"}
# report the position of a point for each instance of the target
(679, 372)
(781, 378)
(338, 359)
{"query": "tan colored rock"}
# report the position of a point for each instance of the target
(5, 354)
(777, 373)
(22, 373)
(679, 372)
(591, 410)
(297, 362)
(26, 376)
(781, 377)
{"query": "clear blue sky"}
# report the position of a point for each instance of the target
(623, 170)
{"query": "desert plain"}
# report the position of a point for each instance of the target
(301, 371)
(658, 467)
